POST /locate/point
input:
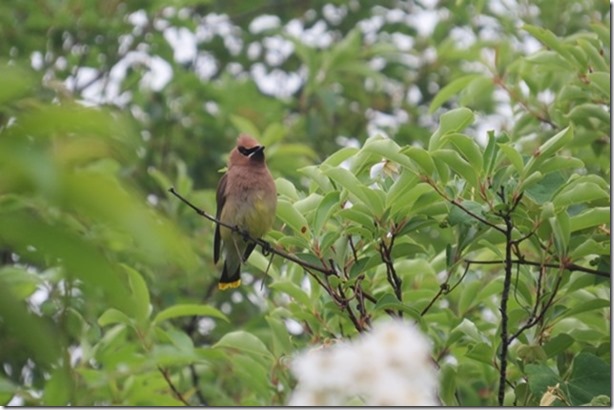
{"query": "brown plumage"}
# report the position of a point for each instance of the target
(247, 198)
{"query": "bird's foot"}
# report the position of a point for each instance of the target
(243, 232)
(266, 248)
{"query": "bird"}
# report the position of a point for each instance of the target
(246, 197)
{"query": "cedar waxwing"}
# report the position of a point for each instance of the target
(247, 198)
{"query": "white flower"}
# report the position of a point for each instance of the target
(389, 366)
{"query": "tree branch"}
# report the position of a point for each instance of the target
(461, 207)
(176, 392)
(264, 244)
(503, 308)
(570, 266)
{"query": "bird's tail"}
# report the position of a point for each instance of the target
(231, 274)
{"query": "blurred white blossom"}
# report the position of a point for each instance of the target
(388, 366)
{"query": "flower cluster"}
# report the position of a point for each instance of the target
(388, 366)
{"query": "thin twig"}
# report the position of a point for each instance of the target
(264, 244)
(536, 319)
(569, 266)
(443, 288)
(391, 273)
(178, 395)
(353, 248)
(513, 95)
(461, 207)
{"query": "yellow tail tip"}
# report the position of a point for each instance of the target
(229, 285)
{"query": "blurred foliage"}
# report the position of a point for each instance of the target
(395, 150)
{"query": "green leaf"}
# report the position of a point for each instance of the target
(112, 316)
(479, 90)
(513, 156)
(293, 291)
(244, 342)
(583, 113)
(388, 149)
(587, 306)
(15, 82)
(348, 181)
(399, 188)
(549, 39)
(579, 193)
(58, 388)
(589, 218)
(140, 294)
(452, 121)
(601, 80)
(481, 352)
(558, 344)
(547, 150)
(292, 217)
(558, 162)
(21, 282)
(469, 329)
(282, 344)
(188, 310)
(306, 206)
(468, 148)
(286, 188)
(490, 153)
(590, 377)
(405, 202)
(377, 200)
(389, 301)
(315, 174)
(21, 230)
(530, 180)
(541, 377)
(542, 191)
(450, 90)
(598, 61)
(561, 231)
(181, 340)
(421, 157)
(448, 386)
(359, 217)
(341, 155)
(458, 164)
(468, 297)
(254, 376)
(589, 247)
(325, 209)
(459, 216)
(531, 353)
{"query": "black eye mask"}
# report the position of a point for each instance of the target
(249, 151)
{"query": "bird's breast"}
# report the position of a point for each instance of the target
(250, 207)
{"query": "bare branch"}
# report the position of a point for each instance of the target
(264, 244)
(570, 266)
(176, 392)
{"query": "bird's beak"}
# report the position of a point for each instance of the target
(259, 150)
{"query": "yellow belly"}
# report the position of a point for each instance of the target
(255, 216)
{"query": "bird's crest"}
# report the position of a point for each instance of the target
(246, 141)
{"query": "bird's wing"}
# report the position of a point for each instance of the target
(220, 196)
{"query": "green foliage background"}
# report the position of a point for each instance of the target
(102, 271)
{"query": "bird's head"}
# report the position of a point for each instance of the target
(247, 152)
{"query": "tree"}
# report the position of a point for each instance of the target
(458, 177)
